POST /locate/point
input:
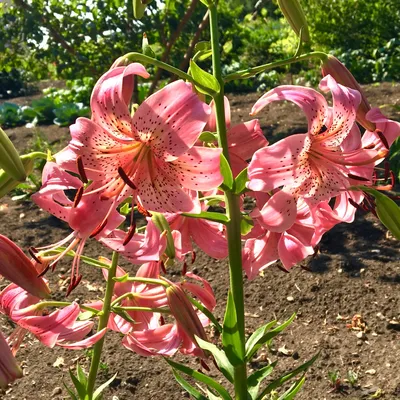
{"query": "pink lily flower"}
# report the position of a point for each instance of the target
(60, 326)
(141, 248)
(264, 247)
(167, 339)
(142, 295)
(16, 267)
(84, 215)
(9, 369)
(208, 235)
(243, 139)
(313, 166)
(150, 155)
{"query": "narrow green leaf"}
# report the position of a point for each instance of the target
(268, 336)
(257, 335)
(81, 375)
(188, 387)
(246, 225)
(387, 210)
(212, 396)
(205, 82)
(240, 181)
(230, 334)
(80, 388)
(255, 379)
(70, 392)
(293, 390)
(226, 173)
(210, 216)
(98, 392)
(284, 378)
(201, 378)
(220, 358)
(208, 137)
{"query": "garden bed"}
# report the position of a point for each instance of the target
(356, 271)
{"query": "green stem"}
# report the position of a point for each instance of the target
(44, 304)
(150, 60)
(103, 321)
(149, 309)
(234, 218)
(249, 72)
(150, 281)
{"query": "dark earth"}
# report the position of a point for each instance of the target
(356, 271)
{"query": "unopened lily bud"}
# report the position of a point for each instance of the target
(9, 369)
(16, 267)
(185, 316)
(332, 66)
(8, 183)
(294, 15)
(9, 158)
(146, 49)
(162, 224)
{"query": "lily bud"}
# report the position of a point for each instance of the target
(146, 49)
(162, 224)
(9, 158)
(185, 316)
(9, 369)
(16, 267)
(294, 15)
(8, 183)
(332, 66)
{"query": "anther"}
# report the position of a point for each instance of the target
(383, 139)
(129, 236)
(358, 178)
(98, 229)
(162, 266)
(44, 271)
(126, 178)
(193, 256)
(33, 255)
(78, 197)
(143, 211)
(81, 169)
(184, 269)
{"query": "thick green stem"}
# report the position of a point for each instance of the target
(103, 321)
(249, 72)
(233, 214)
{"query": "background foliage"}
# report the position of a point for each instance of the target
(70, 40)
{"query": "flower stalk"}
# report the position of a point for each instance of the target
(103, 321)
(233, 214)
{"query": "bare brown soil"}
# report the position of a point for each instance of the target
(357, 271)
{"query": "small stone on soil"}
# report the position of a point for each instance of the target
(370, 371)
(290, 299)
(57, 390)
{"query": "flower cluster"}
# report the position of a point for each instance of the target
(154, 159)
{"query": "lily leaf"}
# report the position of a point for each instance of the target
(230, 334)
(211, 216)
(98, 392)
(80, 387)
(226, 173)
(246, 224)
(387, 210)
(293, 390)
(268, 336)
(220, 358)
(188, 387)
(208, 137)
(205, 82)
(284, 378)
(255, 379)
(201, 378)
(240, 182)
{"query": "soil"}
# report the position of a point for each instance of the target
(356, 271)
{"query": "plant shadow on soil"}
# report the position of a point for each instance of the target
(356, 271)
